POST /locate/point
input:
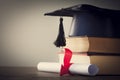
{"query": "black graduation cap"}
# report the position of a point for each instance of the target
(91, 21)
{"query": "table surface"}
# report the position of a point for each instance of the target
(31, 73)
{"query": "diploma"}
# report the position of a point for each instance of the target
(76, 68)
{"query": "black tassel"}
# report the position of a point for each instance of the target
(60, 41)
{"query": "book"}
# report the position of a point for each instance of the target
(77, 57)
(93, 44)
(108, 65)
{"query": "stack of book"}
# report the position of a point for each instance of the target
(101, 46)
(103, 52)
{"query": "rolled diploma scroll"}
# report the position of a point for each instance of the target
(49, 67)
(84, 69)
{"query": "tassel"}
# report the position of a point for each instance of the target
(60, 41)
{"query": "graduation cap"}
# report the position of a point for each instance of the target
(88, 20)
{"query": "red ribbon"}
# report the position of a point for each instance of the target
(66, 62)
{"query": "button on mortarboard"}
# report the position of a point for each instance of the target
(91, 20)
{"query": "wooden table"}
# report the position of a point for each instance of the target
(31, 73)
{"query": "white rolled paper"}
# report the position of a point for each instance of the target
(49, 67)
(84, 69)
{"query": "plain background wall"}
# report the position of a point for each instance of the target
(27, 36)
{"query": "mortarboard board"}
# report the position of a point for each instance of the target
(91, 21)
